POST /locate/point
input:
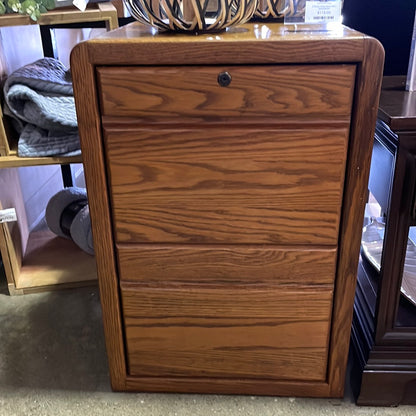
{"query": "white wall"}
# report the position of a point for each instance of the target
(21, 45)
(38, 184)
(66, 39)
(18, 53)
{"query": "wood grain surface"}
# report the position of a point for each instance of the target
(227, 185)
(90, 130)
(255, 91)
(137, 44)
(226, 264)
(369, 78)
(67, 262)
(229, 331)
(241, 177)
(239, 386)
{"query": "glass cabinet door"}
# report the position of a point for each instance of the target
(389, 234)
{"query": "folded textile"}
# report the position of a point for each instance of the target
(39, 97)
(34, 141)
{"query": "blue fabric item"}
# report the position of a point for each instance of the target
(34, 141)
(39, 96)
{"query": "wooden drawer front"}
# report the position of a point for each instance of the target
(235, 331)
(321, 91)
(240, 264)
(227, 185)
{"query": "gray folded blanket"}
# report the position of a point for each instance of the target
(39, 97)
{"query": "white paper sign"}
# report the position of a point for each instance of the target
(322, 11)
(80, 4)
(8, 215)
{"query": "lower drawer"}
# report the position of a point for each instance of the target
(234, 331)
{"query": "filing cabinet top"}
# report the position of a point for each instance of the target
(256, 30)
(252, 43)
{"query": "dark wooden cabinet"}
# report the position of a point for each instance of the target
(226, 218)
(384, 323)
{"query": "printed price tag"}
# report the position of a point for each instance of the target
(80, 4)
(323, 11)
(8, 215)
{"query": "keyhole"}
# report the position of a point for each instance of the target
(224, 79)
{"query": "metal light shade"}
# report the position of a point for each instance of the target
(192, 15)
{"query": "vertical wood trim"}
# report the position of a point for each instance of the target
(119, 5)
(13, 258)
(5, 242)
(367, 93)
(4, 143)
(94, 164)
(109, 14)
(15, 234)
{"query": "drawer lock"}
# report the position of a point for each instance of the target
(224, 79)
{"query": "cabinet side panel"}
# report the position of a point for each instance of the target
(367, 92)
(90, 134)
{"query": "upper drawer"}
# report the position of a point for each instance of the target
(323, 91)
(226, 185)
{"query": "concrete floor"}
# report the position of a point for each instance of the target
(53, 362)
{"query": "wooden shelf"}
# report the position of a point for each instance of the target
(38, 260)
(10, 159)
(49, 262)
(95, 12)
(53, 262)
(13, 161)
(41, 261)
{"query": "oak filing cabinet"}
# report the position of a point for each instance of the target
(227, 181)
